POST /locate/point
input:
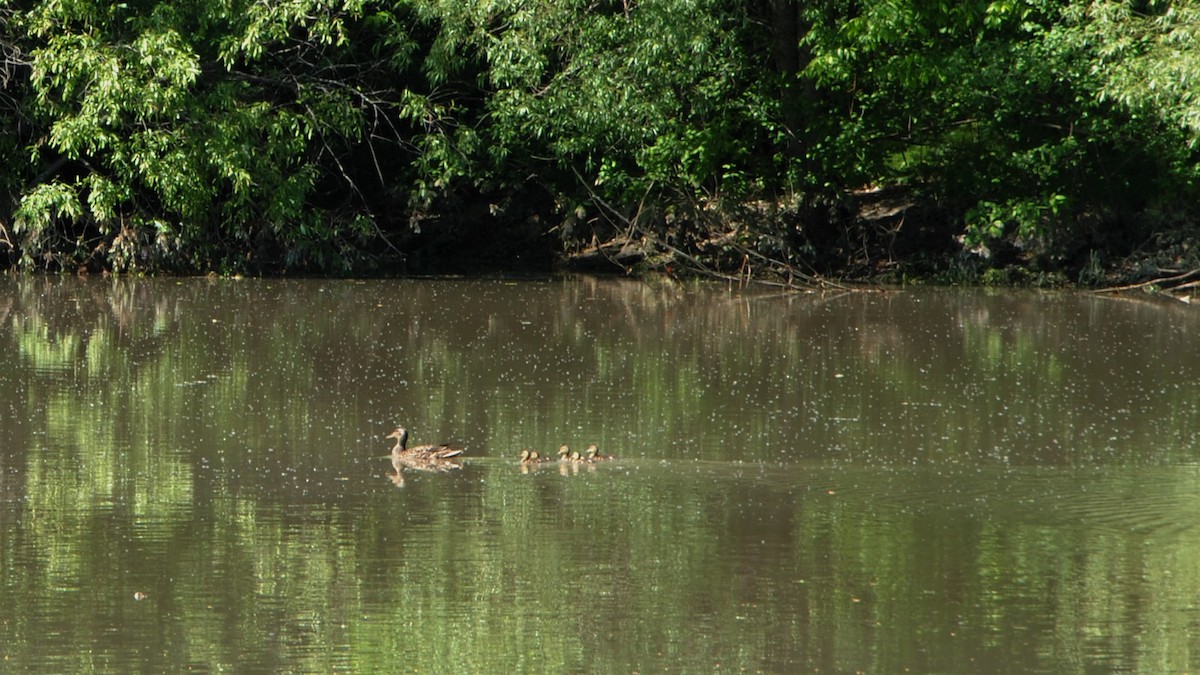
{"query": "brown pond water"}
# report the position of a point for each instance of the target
(193, 475)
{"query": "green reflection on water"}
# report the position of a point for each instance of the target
(927, 482)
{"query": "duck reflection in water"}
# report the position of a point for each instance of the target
(429, 458)
(434, 466)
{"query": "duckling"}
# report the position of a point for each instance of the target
(567, 455)
(532, 457)
(593, 455)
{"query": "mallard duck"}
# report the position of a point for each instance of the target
(421, 454)
(593, 455)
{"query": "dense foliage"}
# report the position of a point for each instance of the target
(354, 135)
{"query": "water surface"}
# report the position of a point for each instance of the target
(193, 475)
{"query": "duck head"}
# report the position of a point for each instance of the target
(401, 436)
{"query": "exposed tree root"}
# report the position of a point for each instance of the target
(1175, 285)
(634, 243)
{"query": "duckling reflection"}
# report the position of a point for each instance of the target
(573, 465)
